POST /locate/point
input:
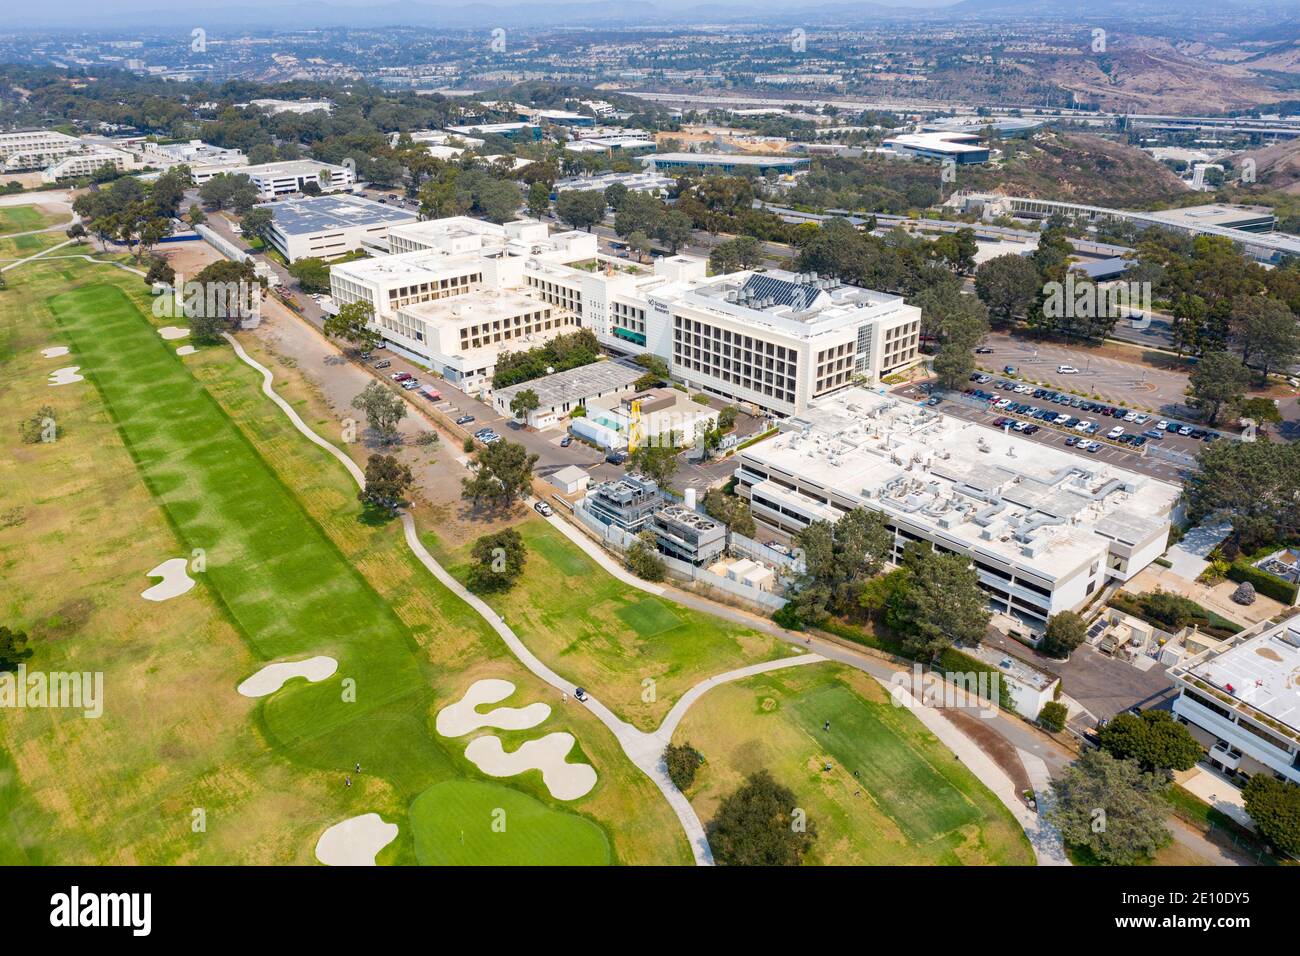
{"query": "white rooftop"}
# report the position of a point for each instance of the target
(984, 489)
(1261, 671)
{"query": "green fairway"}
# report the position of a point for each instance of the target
(25, 218)
(291, 571)
(463, 823)
(894, 794)
(639, 653)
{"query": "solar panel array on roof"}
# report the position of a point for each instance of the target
(780, 291)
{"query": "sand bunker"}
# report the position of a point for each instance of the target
(172, 332)
(566, 781)
(356, 841)
(175, 580)
(66, 376)
(54, 351)
(463, 717)
(273, 676)
(186, 350)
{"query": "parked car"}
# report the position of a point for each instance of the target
(1154, 433)
(1185, 430)
(432, 394)
(543, 509)
(1067, 370)
(464, 419)
(1071, 441)
(400, 376)
(1008, 370)
(1114, 433)
(1094, 447)
(383, 363)
(933, 400)
(616, 458)
(984, 350)
(566, 441)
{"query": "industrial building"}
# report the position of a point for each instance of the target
(1045, 528)
(561, 393)
(202, 160)
(727, 163)
(325, 227)
(1240, 699)
(628, 503)
(685, 534)
(656, 416)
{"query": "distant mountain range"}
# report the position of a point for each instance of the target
(125, 15)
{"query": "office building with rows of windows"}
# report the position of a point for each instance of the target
(1044, 528)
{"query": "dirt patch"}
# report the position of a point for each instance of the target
(998, 748)
(67, 619)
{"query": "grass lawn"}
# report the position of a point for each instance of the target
(291, 571)
(26, 218)
(911, 802)
(467, 823)
(603, 635)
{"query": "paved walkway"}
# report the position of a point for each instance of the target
(644, 750)
(1219, 794)
(1032, 751)
(1188, 557)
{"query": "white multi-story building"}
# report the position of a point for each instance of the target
(291, 176)
(1045, 529)
(293, 106)
(436, 137)
(36, 149)
(204, 161)
(776, 340)
(654, 183)
(76, 165)
(325, 227)
(1241, 700)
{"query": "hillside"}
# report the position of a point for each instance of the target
(1276, 167)
(1078, 167)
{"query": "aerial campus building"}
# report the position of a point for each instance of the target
(325, 227)
(292, 176)
(775, 340)
(202, 160)
(1045, 529)
(728, 163)
(1241, 700)
(962, 148)
(36, 149)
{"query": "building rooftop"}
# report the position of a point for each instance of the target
(321, 213)
(577, 384)
(952, 142)
(1262, 672)
(287, 168)
(1223, 215)
(984, 489)
(726, 159)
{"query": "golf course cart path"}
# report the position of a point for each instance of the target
(464, 717)
(355, 841)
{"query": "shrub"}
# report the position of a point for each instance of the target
(683, 761)
(1052, 716)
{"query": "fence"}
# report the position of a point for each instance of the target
(221, 243)
(621, 540)
(749, 548)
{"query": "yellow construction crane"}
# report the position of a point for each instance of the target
(634, 426)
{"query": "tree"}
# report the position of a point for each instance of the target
(1110, 807)
(313, 274)
(941, 604)
(13, 648)
(643, 558)
(525, 401)
(160, 273)
(503, 474)
(351, 323)
(1266, 332)
(838, 560)
(497, 561)
(1255, 484)
(76, 231)
(1218, 381)
(683, 761)
(1008, 285)
(256, 223)
(1065, 631)
(197, 215)
(734, 255)
(42, 427)
(581, 208)
(731, 510)
(387, 482)
(233, 190)
(1053, 716)
(657, 459)
(1154, 739)
(639, 243)
(1274, 805)
(674, 229)
(757, 825)
(539, 200)
(383, 410)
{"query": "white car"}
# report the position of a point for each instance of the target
(1003, 403)
(1061, 419)
(543, 509)
(1083, 426)
(1131, 417)
(1067, 370)
(1163, 424)
(1114, 433)
(1185, 430)
(1142, 419)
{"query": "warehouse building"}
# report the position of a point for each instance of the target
(561, 393)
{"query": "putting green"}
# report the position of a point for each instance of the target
(464, 823)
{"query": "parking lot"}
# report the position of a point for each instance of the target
(1122, 456)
